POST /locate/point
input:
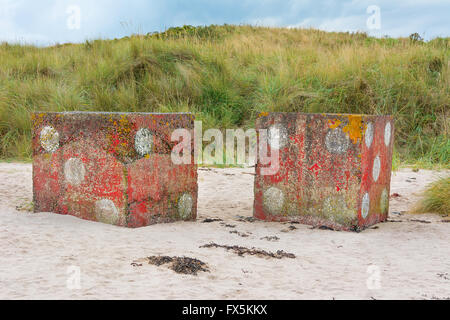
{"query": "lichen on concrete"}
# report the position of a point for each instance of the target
(335, 209)
(337, 141)
(111, 167)
(185, 206)
(333, 173)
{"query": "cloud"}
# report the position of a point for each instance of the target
(398, 19)
(45, 22)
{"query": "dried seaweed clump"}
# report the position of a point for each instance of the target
(241, 251)
(183, 265)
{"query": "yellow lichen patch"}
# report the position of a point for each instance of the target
(37, 119)
(123, 120)
(333, 123)
(355, 128)
(263, 114)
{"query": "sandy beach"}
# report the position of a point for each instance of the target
(409, 255)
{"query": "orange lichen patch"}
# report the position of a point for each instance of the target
(119, 137)
(333, 123)
(263, 114)
(355, 128)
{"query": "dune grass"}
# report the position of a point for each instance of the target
(436, 198)
(227, 74)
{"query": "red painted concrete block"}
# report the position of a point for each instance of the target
(334, 169)
(112, 167)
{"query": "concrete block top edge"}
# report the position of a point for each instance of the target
(112, 113)
(267, 113)
(127, 136)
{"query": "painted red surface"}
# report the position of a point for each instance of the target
(47, 179)
(104, 179)
(325, 170)
(93, 170)
(151, 183)
(375, 188)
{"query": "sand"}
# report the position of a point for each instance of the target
(41, 253)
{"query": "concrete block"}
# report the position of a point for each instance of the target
(112, 167)
(334, 169)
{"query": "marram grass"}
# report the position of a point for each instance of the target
(227, 74)
(436, 198)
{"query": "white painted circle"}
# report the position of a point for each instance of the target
(384, 201)
(376, 168)
(368, 136)
(185, 203)
(337, 141)
(74, 171)
(387, 134)
(277, 136)
(365, 205)
(273, 200)
(143, 141)
(49, 138)
(106, 211)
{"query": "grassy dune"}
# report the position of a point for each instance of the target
(226, 74)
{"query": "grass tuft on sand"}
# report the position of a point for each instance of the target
(436, 198)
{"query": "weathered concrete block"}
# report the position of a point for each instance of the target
(112, 167)
(334, 169)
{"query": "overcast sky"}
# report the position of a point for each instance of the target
(46, 22)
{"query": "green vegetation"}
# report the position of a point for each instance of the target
(436, 198)
(227, 74)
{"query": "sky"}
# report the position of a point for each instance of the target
(47, 22)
